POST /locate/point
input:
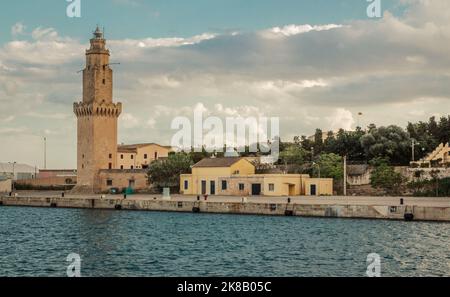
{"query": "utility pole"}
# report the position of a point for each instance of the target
(345, 175)
(45, 152)
(413, 144)
(318, 184)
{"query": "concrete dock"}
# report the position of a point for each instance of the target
(390, 208)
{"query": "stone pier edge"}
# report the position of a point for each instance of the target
(387, 212)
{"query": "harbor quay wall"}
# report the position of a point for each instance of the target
(389, 212)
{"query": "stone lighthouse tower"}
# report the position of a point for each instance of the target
(97, 118)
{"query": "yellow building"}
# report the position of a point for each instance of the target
(236, 177)
(206, 174)
(139, 156)
(440, 156)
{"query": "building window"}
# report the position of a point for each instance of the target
(82, 166)
(121, 156)
(121, 167)
(110, 165)
(109, 182)
(236, 172)
(104, 81)
(186, 184)
(271, 187)
(110, 156)
(132, 157)
(156, 155)
(145, 156)
(83, 156)
(224, 185)
(132, 167)
(241, 187)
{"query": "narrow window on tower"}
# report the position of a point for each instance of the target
(132, 157)
(104, 81)
(110, 156)
(110, 165)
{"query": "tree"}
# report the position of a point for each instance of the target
(294, 157)
(331, 166)
(197, 156)
(305, 143)
(346, 143)
(166, 172)
(318, 142)
(385, 177)
(390, 142)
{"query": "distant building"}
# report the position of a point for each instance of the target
(139, 156)
(439, 157)
(47, 173)
(358, 175)
(21, 171)
(52, 178)
(236, 176)
(5, 184)
(324, 136)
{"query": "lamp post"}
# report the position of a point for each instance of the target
(318, 182)
(359, 124)
(45, 152)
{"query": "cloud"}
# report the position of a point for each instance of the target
(11, 131)
(129, 121)
(291, 30)
(341, 119)
(8, 119)
(44, 34)
(310, 76)
(17, 29)
(53, 116)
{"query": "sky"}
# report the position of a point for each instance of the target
(313, 63)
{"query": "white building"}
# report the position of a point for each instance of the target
(20, 171)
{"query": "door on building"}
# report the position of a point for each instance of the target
(291, 190)
(313, 190)
(256, 189)
(203, 187)
(212, 187)
(131, 183)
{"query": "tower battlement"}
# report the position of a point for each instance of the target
(97, 109)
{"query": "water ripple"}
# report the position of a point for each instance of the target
(36, 242)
